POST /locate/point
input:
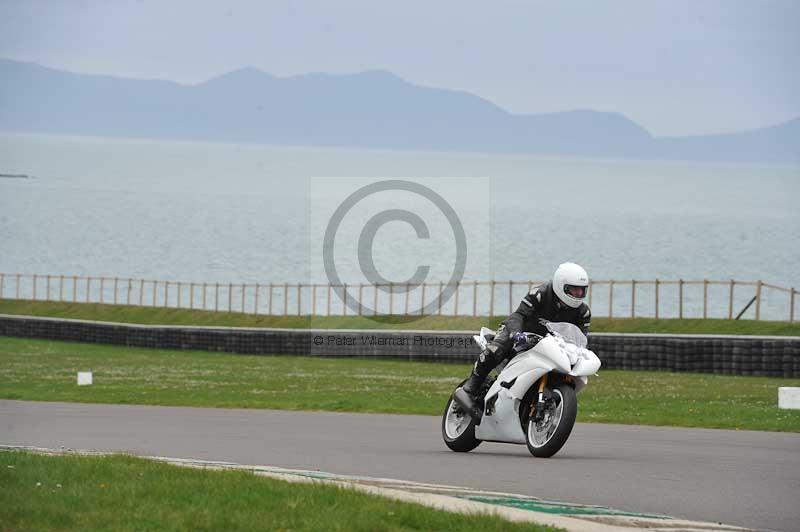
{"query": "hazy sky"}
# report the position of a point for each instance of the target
(676, 67)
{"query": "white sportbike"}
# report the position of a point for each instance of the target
(533, 400)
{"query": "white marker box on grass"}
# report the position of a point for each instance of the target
(789, 397)
(84, 378)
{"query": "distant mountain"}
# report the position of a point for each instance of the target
(372, 109)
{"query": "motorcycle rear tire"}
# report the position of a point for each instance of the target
(464, 442)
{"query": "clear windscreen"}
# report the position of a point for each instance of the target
(569, 332)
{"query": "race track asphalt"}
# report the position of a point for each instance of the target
(743, 478)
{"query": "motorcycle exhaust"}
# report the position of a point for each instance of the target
(466, 402)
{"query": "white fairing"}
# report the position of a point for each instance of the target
(500, 421)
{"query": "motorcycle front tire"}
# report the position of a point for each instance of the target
(565, 424)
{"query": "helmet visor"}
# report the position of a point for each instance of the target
(578, 292)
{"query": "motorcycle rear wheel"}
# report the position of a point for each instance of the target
(458, 428)
(546, 437)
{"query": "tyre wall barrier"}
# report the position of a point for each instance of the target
(773, 356)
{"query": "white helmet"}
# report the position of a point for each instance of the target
(570, 283)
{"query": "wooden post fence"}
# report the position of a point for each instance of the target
(713, 303)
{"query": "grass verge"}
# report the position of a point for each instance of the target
(127, 493)
(172, 316)
(42, 370)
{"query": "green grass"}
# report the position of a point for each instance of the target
(171, 316)
(42, 370)
(125, 493)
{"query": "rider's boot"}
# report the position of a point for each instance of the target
(482, 367)
(474, 383)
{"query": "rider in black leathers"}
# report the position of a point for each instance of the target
(560, 300)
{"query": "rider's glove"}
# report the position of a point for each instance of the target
(544, 323)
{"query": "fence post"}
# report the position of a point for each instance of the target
(299, 296)
(589, 295)
(730, 300)
(391, 298)
(47, 297)
(244, 295)
(285, 299)
(2, 281)
(791, 305)
(270, 299)
(60, 287)
(344, 300)
(375, 300)
(141, 290)
(328, 301)
(255, 303)
(116, 283)
(422, 304)
(166, 294)
(705, 299)
(88, 288)
(74, 287)
(230, 296)
(657, 287)
(191, 295)
(474, 298)
(102, 288)
(758, 300)
(34, 286)
(611, 299)
(155, 291)
(180, 286)
(128, 294)
(216, 297)
(680, 298)
(408, 296)
(491, 300)
(360, 295)
(510, 297)
(633, 298)
(455, 310)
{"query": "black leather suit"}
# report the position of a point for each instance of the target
(540, 304)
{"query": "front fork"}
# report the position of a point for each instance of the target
(538, 406)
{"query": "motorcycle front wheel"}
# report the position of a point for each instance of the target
(458, 428)
(545, 435)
